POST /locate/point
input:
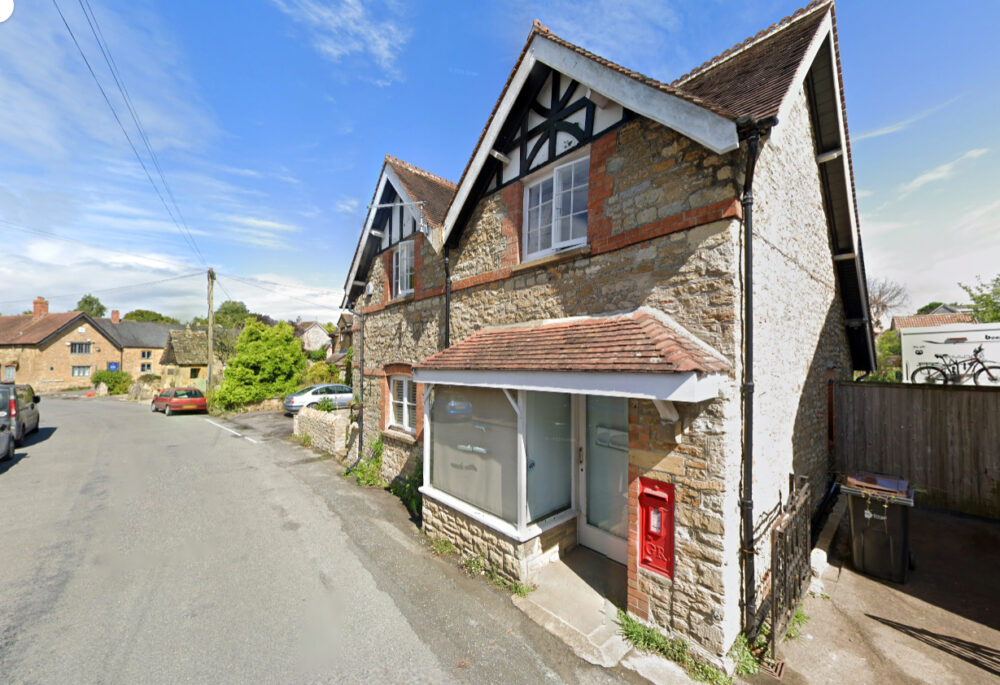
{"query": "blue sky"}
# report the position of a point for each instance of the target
(270, 120)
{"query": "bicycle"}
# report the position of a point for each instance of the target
(956, 370)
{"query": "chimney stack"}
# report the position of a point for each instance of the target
(41, 307)
(115, 318)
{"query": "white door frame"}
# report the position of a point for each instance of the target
(609, 545)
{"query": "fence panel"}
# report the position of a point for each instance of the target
(944, 439)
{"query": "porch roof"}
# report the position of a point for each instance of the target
(642, 341)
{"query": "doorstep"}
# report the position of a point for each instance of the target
(575, 600)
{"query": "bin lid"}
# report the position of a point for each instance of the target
(880, 483)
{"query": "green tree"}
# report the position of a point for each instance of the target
(149, 315)
(268, 363)
(888, 345)
(89, 304)
(985, 299)
(232, 314)
(929, 307)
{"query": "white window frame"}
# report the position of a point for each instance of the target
(536, 181)
(146, 367)
(403, 422)
(86, 347)
(81, 369)
(9, 372)
(146, 354)
(523, 530)
(402, 258)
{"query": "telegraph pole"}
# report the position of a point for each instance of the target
(211, 328)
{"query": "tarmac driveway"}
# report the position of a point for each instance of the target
(942, 626)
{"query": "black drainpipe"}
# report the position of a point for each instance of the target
(751, 130)
(361, 385)
(447, 300)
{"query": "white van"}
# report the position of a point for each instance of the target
(920, 346)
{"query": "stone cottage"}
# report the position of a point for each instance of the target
(184, 360)
(561, 338)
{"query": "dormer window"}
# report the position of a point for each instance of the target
(556, 210)
(402, 269)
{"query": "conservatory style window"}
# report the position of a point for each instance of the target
(555, 215)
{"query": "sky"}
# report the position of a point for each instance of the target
(269, 121)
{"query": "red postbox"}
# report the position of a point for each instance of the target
(656, 526)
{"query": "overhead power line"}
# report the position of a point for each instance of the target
(120, 287)
(257, 283)
(181, 226)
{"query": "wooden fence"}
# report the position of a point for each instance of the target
(944, 439)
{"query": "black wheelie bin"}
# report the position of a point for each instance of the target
(879, 506)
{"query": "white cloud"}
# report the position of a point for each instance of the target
(347, 28)
(254, 222)
(940, 173)
(349, 205)
(900, 125)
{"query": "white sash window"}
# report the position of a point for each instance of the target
(555, 215)
(402, 269)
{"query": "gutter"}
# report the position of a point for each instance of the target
(750, 130)
(447, 300)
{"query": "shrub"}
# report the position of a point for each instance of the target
(326, 404)
(318, 355)
(408, 490)
(118, 382)
(368, 472)
(148, 378)
(320, 372)
(268, 363)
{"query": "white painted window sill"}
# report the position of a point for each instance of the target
(530, 531)
(546, 258)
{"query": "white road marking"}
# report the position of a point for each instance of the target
(226, 428)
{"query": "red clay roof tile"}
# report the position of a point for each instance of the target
(637, 342)
(922, 320)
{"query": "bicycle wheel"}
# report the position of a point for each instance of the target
(929, 374)
(988, 376)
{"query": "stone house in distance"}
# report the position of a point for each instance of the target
(313, 336)
(558, 339)
(184, 360)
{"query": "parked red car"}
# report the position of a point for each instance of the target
(172, 400)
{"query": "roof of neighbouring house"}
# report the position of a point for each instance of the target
(186, 348)
(925, 320)
(147, 334)
(25, 329)
(423, 186)
(643, 341)
(302, 326)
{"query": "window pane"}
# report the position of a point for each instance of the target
(564, 228)
(397, 390)
(545, 237)
(579, 225)
(533, 193)
(546, 187)
(474, 448)
(546, 218)
(564, 178)
(397, 414)
(579, 199)
(550, 454)
(581, 172)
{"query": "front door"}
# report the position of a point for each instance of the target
(603, 473)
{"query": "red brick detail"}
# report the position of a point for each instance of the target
(481, 279)
(418, 265)
(602, 185)
(387, 267)
(513, 200)
(638, 601)
(679, 222)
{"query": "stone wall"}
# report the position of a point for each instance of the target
(327, 430)
(49, 367)
(799, 338)
(515, 561)
(701, 601)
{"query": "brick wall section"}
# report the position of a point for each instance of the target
(514, 561)
(327, 430)
(513, 201)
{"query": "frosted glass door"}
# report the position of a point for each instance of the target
(604, 477)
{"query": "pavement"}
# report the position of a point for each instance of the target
(941, 626)
(140, 548)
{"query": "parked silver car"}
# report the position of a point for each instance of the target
(341, 395)
(19, 405)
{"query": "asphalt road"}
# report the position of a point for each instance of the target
(139, 548)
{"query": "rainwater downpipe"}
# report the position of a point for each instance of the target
(751, 130)
(361, 385)
(447, 300)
